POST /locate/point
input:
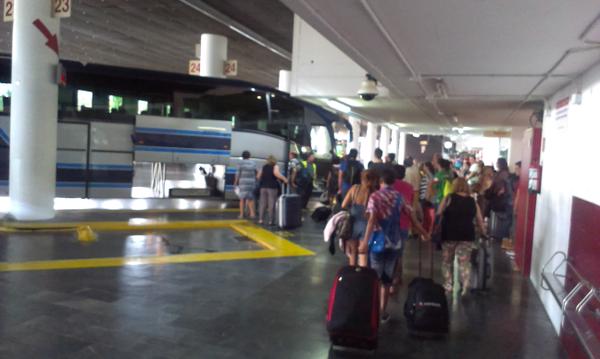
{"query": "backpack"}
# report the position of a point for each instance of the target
(303, 177)
(352, 172)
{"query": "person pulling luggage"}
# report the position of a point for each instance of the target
(357, 199)
(382, 236)
(458, 211)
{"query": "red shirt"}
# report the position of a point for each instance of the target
(407, 192)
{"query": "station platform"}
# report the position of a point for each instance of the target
(199, 283)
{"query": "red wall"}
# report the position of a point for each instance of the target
(525, 210)
(584, 252)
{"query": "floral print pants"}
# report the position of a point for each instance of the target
(462, 250)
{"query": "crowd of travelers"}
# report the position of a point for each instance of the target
(442, 200)
(264, 183)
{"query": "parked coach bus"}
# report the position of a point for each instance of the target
(136, 133)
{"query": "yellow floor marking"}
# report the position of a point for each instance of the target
(144, 225)
(276, 247)
(166, 210)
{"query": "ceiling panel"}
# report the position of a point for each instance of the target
(490, 86)
(484, 37)
(161, 35)
(576, 61)
(487, 51)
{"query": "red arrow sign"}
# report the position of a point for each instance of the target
(52, 40)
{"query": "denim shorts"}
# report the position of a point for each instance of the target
(384, 264)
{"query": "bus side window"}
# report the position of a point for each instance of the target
(320, 142)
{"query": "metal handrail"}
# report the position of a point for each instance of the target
(589, 342)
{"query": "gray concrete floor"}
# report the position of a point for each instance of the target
(270, 308)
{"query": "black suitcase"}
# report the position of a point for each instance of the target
(321, 214)
(289, 211)
(353, 313)
(426, 306)
(482, 264)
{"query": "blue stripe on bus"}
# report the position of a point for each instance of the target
(70, 184)
(112, 167)
(70, 166)
(181, 150)
(169, 131)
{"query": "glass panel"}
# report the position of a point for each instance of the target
(84, 99)
(142, 107)
(115, 103)
(320, 141)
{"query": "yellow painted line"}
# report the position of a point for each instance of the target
(126, 226)
(276, 247)
(145, 211)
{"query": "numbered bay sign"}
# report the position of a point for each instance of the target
(230, 68)
(194, 67)
(61, 8)
(8, 10)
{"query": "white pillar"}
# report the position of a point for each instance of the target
(285, 81)
(394, 144)
(213, 54)
(34, 107)
(401, 148)
(369, 148)
(355, 133)
(384, 140)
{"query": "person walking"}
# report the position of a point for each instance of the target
(245, 179)
(383, 210)
(377, 163)
(458, 212)
(268, 179)
(500, 201)
(356, 199)
(350, 172)
(306, 177)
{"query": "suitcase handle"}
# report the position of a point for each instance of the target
(430, 258)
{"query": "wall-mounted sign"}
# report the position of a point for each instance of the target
(61, 8)
(8, 10)
(194, 67)
(230, 68)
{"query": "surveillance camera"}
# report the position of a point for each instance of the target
(368, 89)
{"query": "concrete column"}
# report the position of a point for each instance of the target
(355, 133)
(34, 106)
(367, 152)
(285, 81)
(213, 54)
(401, 154)
(384, 140)
(394, 144)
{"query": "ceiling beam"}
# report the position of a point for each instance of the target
(233, 25)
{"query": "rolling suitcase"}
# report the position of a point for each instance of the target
(426, 306)
(481, 265)
(289, 211)
(353, 313)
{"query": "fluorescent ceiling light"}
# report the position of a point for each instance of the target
(338, 106)
(351, 102)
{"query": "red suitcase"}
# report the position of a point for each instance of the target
(353, 313)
